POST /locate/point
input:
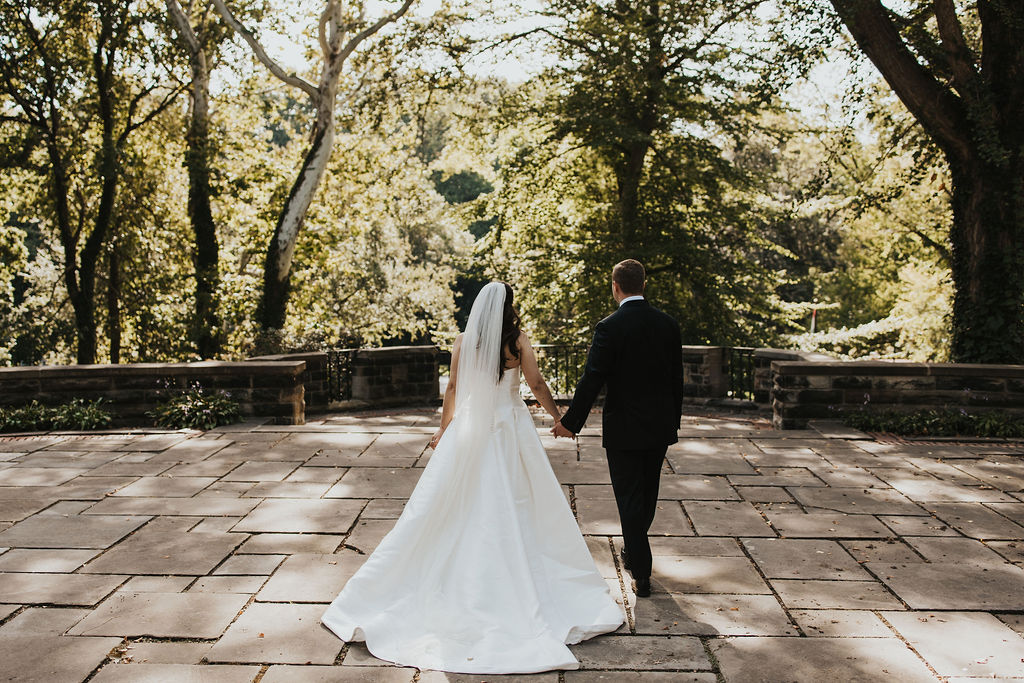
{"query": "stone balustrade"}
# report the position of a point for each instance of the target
(802, 391)
(271, 389)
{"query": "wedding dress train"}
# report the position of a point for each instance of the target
(486, 570)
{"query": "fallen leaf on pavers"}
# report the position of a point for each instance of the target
(261, 636)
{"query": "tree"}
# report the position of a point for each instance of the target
(79, 80)
(640, 121)
(960, 72)
(197, 32)
(341, 32)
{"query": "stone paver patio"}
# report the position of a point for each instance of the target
(819, 555)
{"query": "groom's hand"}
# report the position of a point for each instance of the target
(560, 430)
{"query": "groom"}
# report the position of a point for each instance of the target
(637, 354)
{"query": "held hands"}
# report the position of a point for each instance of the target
(559, 430)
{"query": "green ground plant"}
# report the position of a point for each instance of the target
(196, 408)
(79, 413)
(944, 422)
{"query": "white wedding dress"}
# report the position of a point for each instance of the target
(486, 570)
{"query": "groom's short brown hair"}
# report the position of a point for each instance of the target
(630, 276)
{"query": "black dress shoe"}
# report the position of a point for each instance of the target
(625, 562)
(643, 588)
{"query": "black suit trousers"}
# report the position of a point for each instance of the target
(635, 476)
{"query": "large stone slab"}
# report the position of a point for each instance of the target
(970, 519)
(287, 489)
(711, 615)
(893, 551)
(166, 487)
(781, 558)
(368, 533)
(288, 515)
(278, 634)
(163, 615)
(202, 506)
(706, 575)
(963, 644)
(601, 517)
(689, 463)
(827, 525)
(40, 560)
(17, 509)
(777, 476)
(569, 471)
(814, 594)
(840, 623)
(46, 659)
(283, 673)
(955, 550)
(262, 471)
(56, 589)
(727, 518)
(397, 446)
(311, 577)
(917, 526)
(851, 660)
(855, 501)
(38, 476)
(648, 653)
(287, 544)
(375, 482)
(695, 487)
(43, 621)
(954, 586)
(160, 551)
(81, 531)
(161, 673)
(927, 489)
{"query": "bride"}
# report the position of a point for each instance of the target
(486, 570)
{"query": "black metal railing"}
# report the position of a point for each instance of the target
(561, 365)
(339, 374)
(740, 361)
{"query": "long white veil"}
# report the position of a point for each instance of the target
(477, 376)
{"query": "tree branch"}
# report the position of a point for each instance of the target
(355, 40)
(961, 61)
(935, 106)
(261, 54)
(183, 25)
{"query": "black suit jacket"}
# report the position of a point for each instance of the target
(637, 353)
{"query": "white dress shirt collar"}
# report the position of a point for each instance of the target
(638, 297)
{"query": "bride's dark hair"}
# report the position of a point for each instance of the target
(510, 323)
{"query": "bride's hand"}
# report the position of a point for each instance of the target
(434, 439)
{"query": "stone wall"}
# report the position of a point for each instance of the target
(704, 373)
(314, 377)
(706, 370)
(803, 391)
(764, 378)
(271, 389)
(395, 375)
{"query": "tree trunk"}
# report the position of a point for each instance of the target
(988, 260)
(975, 119)
(206, 332)
(277, 267)
(114, 304)
(85, 316)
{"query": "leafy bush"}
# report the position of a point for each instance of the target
(196, 409)
(945, 422)
(76, 414)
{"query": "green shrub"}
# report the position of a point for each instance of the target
(76, 414)
(944, 422)
(196, 409)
